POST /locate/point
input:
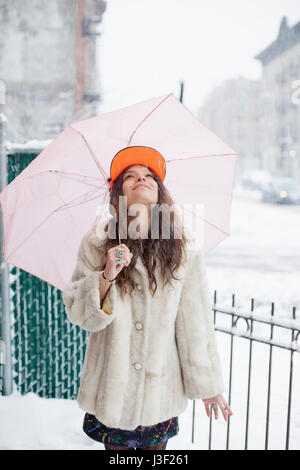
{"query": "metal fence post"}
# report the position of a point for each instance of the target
(5, 340)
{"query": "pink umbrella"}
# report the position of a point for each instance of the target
(49, 207)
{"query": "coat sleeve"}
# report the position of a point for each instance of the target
(195, 333)
(81, 296)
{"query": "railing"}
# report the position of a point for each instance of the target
(287, 340)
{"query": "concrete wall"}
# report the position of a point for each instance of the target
(47, 65)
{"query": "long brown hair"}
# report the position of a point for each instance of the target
(169, 251)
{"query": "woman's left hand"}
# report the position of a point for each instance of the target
(218, 400)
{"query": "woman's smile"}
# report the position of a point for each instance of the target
(141, 186)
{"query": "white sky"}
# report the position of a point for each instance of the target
(148, 46)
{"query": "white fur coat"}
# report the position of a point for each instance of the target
(145, 359)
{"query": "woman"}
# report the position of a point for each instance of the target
(152, 343)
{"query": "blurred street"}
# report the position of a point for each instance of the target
(261, 258)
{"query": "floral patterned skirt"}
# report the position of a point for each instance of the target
(142, 436)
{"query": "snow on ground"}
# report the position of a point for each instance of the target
(32, 422)
(261, 259)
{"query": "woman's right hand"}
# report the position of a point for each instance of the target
(113, 267)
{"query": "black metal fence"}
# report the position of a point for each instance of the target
(47, 350)
(276, 332)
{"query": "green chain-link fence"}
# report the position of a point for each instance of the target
(48, 351)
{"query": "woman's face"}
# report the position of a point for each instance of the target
(139, 186)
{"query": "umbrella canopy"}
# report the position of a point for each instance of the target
(49, 207)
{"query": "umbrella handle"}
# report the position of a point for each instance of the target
(119, 235)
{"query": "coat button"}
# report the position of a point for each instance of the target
(137, 365)
(138, 286)
(138, 326)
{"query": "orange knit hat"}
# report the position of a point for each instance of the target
(137, 155)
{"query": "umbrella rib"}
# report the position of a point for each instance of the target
(41, 173)
(43, 221)
(71, 176)
(74, 174)
(207, 221)
(146, 117)
(188, 183)
(198, 122)
(77, 204)
(203, 156)
(102, 171)
(81, 199)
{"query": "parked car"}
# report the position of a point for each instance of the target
(279, 190)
